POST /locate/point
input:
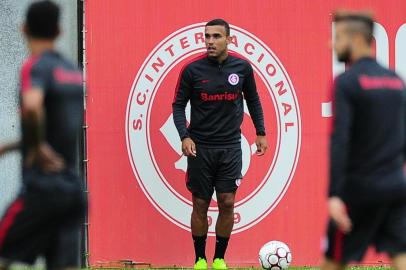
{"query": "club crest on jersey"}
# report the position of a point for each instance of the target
(233, 79)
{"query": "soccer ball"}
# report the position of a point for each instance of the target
(275, 255)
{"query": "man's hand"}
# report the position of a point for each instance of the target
(338, 212)
(46, 157)
(188, 147)
(5, 148)
(262, 145)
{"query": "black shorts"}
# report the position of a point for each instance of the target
(381, 226)
(44, 220)
(214, 169)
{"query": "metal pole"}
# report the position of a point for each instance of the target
(83, 64)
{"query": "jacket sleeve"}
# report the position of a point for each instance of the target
(36, 76)
(181, 98)
(340, 139)
(404, 123)
(253, 102)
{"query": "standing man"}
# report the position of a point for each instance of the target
(215, 83)
(45, 217)
(367, 196)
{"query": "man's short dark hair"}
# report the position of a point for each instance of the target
(358, 22)
(220, 22)
(42, 20)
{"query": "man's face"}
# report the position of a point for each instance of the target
(216, 40)
(342, 42)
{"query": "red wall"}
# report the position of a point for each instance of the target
(139, 206)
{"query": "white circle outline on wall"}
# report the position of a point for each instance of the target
(153, 183)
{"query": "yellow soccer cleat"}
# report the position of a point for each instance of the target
(201, 264)
(219, 264)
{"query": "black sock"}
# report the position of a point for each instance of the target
(200, 246)
(221, 246)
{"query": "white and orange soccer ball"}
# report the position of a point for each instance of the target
(275, 255)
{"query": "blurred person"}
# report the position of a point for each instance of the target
(367, 191)
(45, 218)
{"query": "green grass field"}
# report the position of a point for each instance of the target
(291, 268)
(20, 267)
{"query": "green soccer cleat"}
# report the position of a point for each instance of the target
(201, 264)
(219, 264)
